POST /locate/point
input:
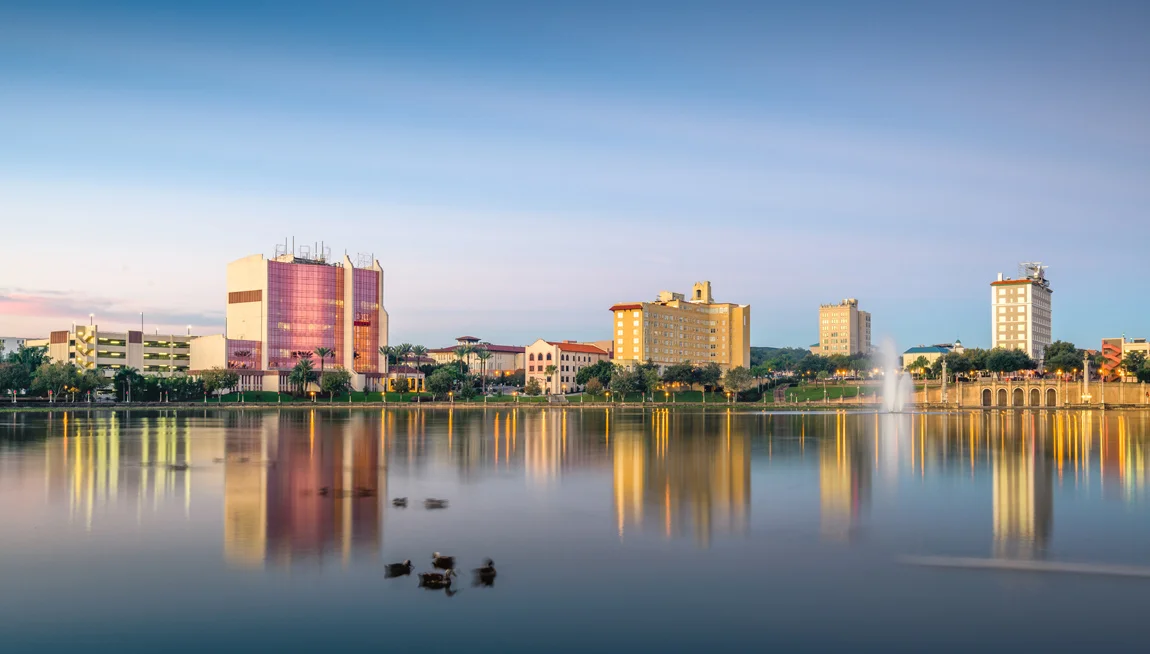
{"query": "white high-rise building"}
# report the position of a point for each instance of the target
(1020, 311)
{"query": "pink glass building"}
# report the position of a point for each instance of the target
(283, 309)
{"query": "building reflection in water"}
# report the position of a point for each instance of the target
(845, 469)
(680, 473)
(90, 461)
(1023, 481)
(273, 472)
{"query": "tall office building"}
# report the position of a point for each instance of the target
(674, 329)
(1020, 311)
(281, 310)
(843, 329)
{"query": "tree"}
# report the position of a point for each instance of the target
(679, 373)
(400, 386)
(88, 381)
(484, 355)
(920, 364)
(418, 352)
(13, 377)
(1002, 360)
(300, 376)
(601, 370)
(323, 353)
(708, 376)
(220, 379)
(54, 378)
(440, 382)
(335, 381)
(30, 359)
(124, 381)
(593, 386)
(533, 387)
(957, 363)
(1135, 364)
(625, 381)
(389, 352)
(1061, 355)
(737, 380)
(461, 353)
(550, 372)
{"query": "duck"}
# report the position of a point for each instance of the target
(436, 580)
(363, 491)
(442, 562)
(399, 569)
(486, 574)
(323, 490)
(177, 466)
(433, 503)
(400, 502)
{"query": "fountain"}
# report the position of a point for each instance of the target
(897, 386)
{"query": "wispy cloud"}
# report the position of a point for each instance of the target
(57, 310)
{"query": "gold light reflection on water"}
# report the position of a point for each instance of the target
(674, 474)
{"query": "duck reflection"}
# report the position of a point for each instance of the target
(306, 485)
(681, 472)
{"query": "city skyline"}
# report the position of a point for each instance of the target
(792, 156)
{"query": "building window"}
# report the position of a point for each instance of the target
(548, 356)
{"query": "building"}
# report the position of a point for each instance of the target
(505, 359)
(930, 352)
(1020, 311)
(674, 329)
(10, 344)
(568, 357)
(281, 310)
(1116, 349)
(90, 348)
(843, 329)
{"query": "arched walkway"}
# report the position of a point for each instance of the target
(1002, 397)
(1019, 398)
(986, 397)
(1035, 397)
(1051, 397)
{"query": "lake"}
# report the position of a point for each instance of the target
(611, 530)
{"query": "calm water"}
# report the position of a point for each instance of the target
(663, 531)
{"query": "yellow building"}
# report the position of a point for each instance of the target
(843, 329)
(674, 329)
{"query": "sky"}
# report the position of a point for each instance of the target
(519, 167)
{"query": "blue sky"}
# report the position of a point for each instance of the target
(518, 167)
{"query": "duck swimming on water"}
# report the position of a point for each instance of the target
(433, 503)
(486, 575)
(399, 569)
(442, 562)
(436, 580)
(400, 502)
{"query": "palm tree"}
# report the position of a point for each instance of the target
(483, 354)
(302, 374)
(461, 352)
(323, 353)
(551, 370)
(418, 352)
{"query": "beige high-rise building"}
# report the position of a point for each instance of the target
(843, 329)
(1020, 311)
(674, 329)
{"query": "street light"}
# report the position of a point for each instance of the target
(451, 397)
(313, 397)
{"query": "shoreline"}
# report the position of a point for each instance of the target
(812, 407)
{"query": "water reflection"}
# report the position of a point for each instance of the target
(679, 473)
(301, 485)
(668, 474)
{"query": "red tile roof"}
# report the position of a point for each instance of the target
(405, 370)
(1006, 282)
(578, 347)
(626, 307)
(506, 349)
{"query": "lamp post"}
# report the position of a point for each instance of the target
(728, 397)
(516, 395)
(451, 397)
(313, 397)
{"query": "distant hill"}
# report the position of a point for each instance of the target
(761, 354)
